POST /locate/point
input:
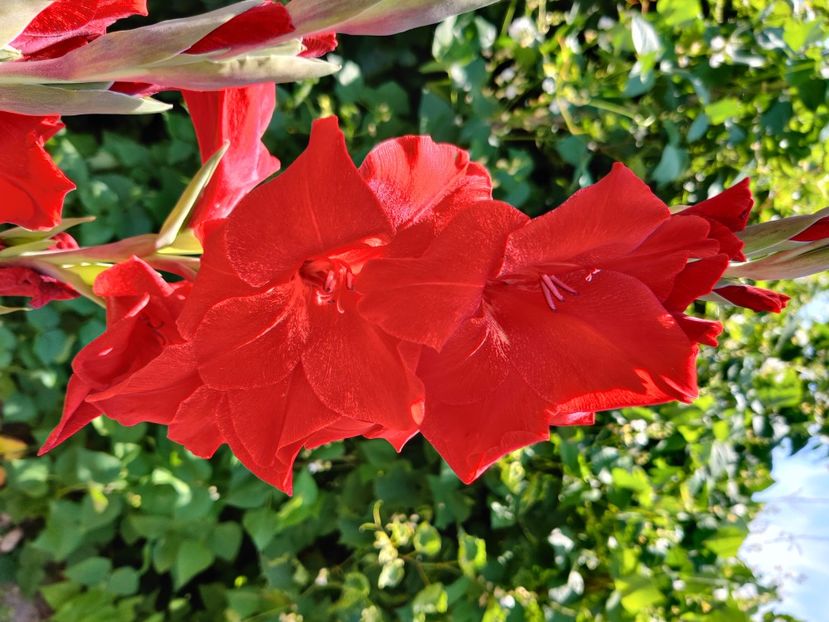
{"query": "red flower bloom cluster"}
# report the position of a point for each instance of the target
(400, 298)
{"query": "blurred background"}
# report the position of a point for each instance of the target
(653, 514)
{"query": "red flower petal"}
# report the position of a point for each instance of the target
(319, 204)
(152, 393)
(136, 89)
(254, 27)
(602, 222)
(132, 278)
(473, 362)
(732, 207)
(755, 298)
(241, 116)
(131, 285)
(730, 244)
(75, 21)
(727, 212)
(472, 437)
(358, 372)
(31, 184)
(194, 425)
(270, 418)
(416, 179)
(76, 415)
(256, 341)
(696, 280)
(279, 473)
(124, 348)
(425, 300)
(319, 45)
(394, 437)
(141, 314)
(217, 281)
(700, 331)
(612, 345)
(664, 255)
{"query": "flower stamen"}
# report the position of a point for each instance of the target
(552, 287)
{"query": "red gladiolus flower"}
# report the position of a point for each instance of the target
(580, 316)
(755, 298)
(334, 302)
(41, 288)
(240, 116)
(32, 186)
(68, 24)
(141, 327)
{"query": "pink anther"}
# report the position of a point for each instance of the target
(552, 287)
(330, 282)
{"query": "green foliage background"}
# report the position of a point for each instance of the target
(637, 519)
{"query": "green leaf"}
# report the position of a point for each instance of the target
(53, 346)
(56, 594)
(724, 109)
(356, 589)
(672, 165)
(30, 476)
(192, 558)
(225, 540)
(638, 592)
(677, 12)
(698, 128)
(798, 34)
(262, 525)
(437, 119)
(451, 503)
(726, 542)
(302, 505)
(123, 582)
(90, 571)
